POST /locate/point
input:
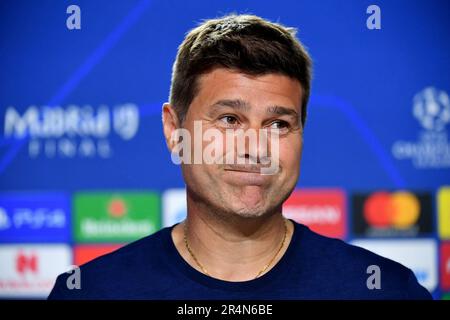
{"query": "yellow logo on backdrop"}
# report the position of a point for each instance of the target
(443, 206)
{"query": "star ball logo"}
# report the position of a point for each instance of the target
(392, 214)
(431, 150)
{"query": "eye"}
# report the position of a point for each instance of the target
(229, 120)
(279, 124)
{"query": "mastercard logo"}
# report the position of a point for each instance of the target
(398, 210)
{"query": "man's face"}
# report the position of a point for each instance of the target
(228, 100)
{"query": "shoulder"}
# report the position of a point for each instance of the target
(357, 272)
(114, 272)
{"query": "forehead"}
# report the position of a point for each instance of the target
(261, 90)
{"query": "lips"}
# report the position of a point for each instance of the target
(244, 168)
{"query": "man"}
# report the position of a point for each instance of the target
(236, 74)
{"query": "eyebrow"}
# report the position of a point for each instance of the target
(237, 104)
(241, 105)
(280, 111)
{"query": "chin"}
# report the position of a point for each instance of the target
(253, 211)
(250, 202)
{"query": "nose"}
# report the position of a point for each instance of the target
(252, 146)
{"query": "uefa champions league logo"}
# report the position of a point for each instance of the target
(432, 109)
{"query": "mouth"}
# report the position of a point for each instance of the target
(244, 168)
(246, 175)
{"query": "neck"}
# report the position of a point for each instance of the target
(235, 248)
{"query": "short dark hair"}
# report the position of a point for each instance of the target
(246, 43)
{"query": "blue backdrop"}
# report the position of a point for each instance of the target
(362, 133)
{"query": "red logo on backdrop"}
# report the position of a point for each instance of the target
(26, 263)
(400, 210)
(86, 253)
(445, 265)
(323, 210)
(117, 208)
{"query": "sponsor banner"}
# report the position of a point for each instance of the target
(115, 217)
(174, 206)
(420, 255)
(445, 266)
(30, 270)
(34, 217)
(392, 214)
(443, 211)
(323, 210)
(86, 253)
(73, 131)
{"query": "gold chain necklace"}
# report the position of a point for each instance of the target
(259, 273)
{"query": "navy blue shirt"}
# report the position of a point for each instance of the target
(313, 267)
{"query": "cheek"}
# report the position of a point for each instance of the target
(200, 175)
(290, 155)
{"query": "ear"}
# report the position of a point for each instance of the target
(170, 124)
